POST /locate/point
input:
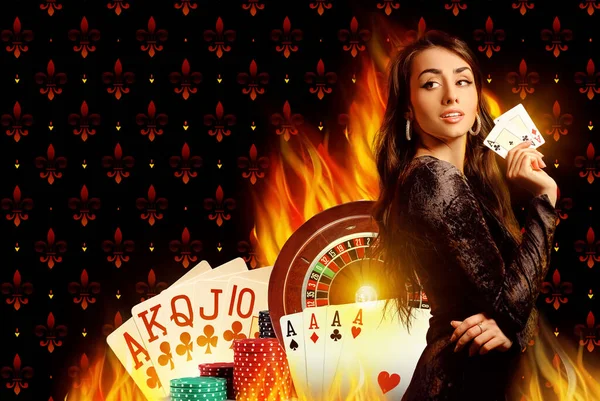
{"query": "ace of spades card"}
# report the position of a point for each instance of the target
(294, 344)
(127, 344)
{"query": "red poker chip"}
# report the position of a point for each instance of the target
(266, 350)
(258, 361)
(263, 351)
(217, 372)
(252, 375)
(254, 341)
(217, 365)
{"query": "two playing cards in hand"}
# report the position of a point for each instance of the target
(341, 351)
(194, 321)
(512, 128)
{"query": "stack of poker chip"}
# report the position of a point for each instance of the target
(265, 325)
(198, 388)
(261, 371)
(219, 369)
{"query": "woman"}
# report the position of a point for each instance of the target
(447, 226)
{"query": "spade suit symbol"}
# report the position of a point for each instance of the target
(294, 345)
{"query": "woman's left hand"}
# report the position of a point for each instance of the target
(485, 339)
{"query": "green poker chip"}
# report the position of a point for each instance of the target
(214, 396)
(176, 391)
(198, 382)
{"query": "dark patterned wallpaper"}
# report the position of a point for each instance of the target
(123, 124)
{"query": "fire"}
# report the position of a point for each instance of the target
(105, 380)
(309, 175)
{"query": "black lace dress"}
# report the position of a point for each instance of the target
(472, 265)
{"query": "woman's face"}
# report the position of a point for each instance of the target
(440, 81)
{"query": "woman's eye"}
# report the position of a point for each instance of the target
(427, 85)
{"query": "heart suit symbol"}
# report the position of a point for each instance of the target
(388, 382)
(355, 331)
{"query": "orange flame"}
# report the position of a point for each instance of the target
(306, 178)
(106, 380)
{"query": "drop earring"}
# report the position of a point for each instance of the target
(408, 129)
(478, 126)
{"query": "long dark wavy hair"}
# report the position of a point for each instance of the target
(393, 153)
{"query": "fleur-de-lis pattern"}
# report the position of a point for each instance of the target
(151, 207)
(589, 333)
(84, 207)
(354, 38)
(321, 81)
(253, 167)
(219, 207)
(152, 38)
(557, 291)
(118, 80)
(150, 288)
(85, 122)
(51, 165)
(118, 164)
(490, 38)
(286, 38)
(179, 116)
(118, 249)
(219, 38)
(17, 123)
(17, 207)
(84, 292)
(524, 80)
(51, 81)
(84, 38)
(17, 293)
(17, 38)
(51, 334)
(219, 122)
(17, 376)
(186, 248)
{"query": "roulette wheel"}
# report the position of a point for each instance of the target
(327, 261)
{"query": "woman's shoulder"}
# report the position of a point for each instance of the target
(433, 183)
(431, 170)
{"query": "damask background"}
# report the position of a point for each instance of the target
(140, 137)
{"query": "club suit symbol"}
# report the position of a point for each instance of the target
(336, 336)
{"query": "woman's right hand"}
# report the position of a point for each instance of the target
(525, 170)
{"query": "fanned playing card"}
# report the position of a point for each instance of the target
(387, 374)
(336, 328)
(294, 344)
(154, 318)
(127, 344)
(188, 337)
(512, 128)
(314, 328)
(243, 300)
